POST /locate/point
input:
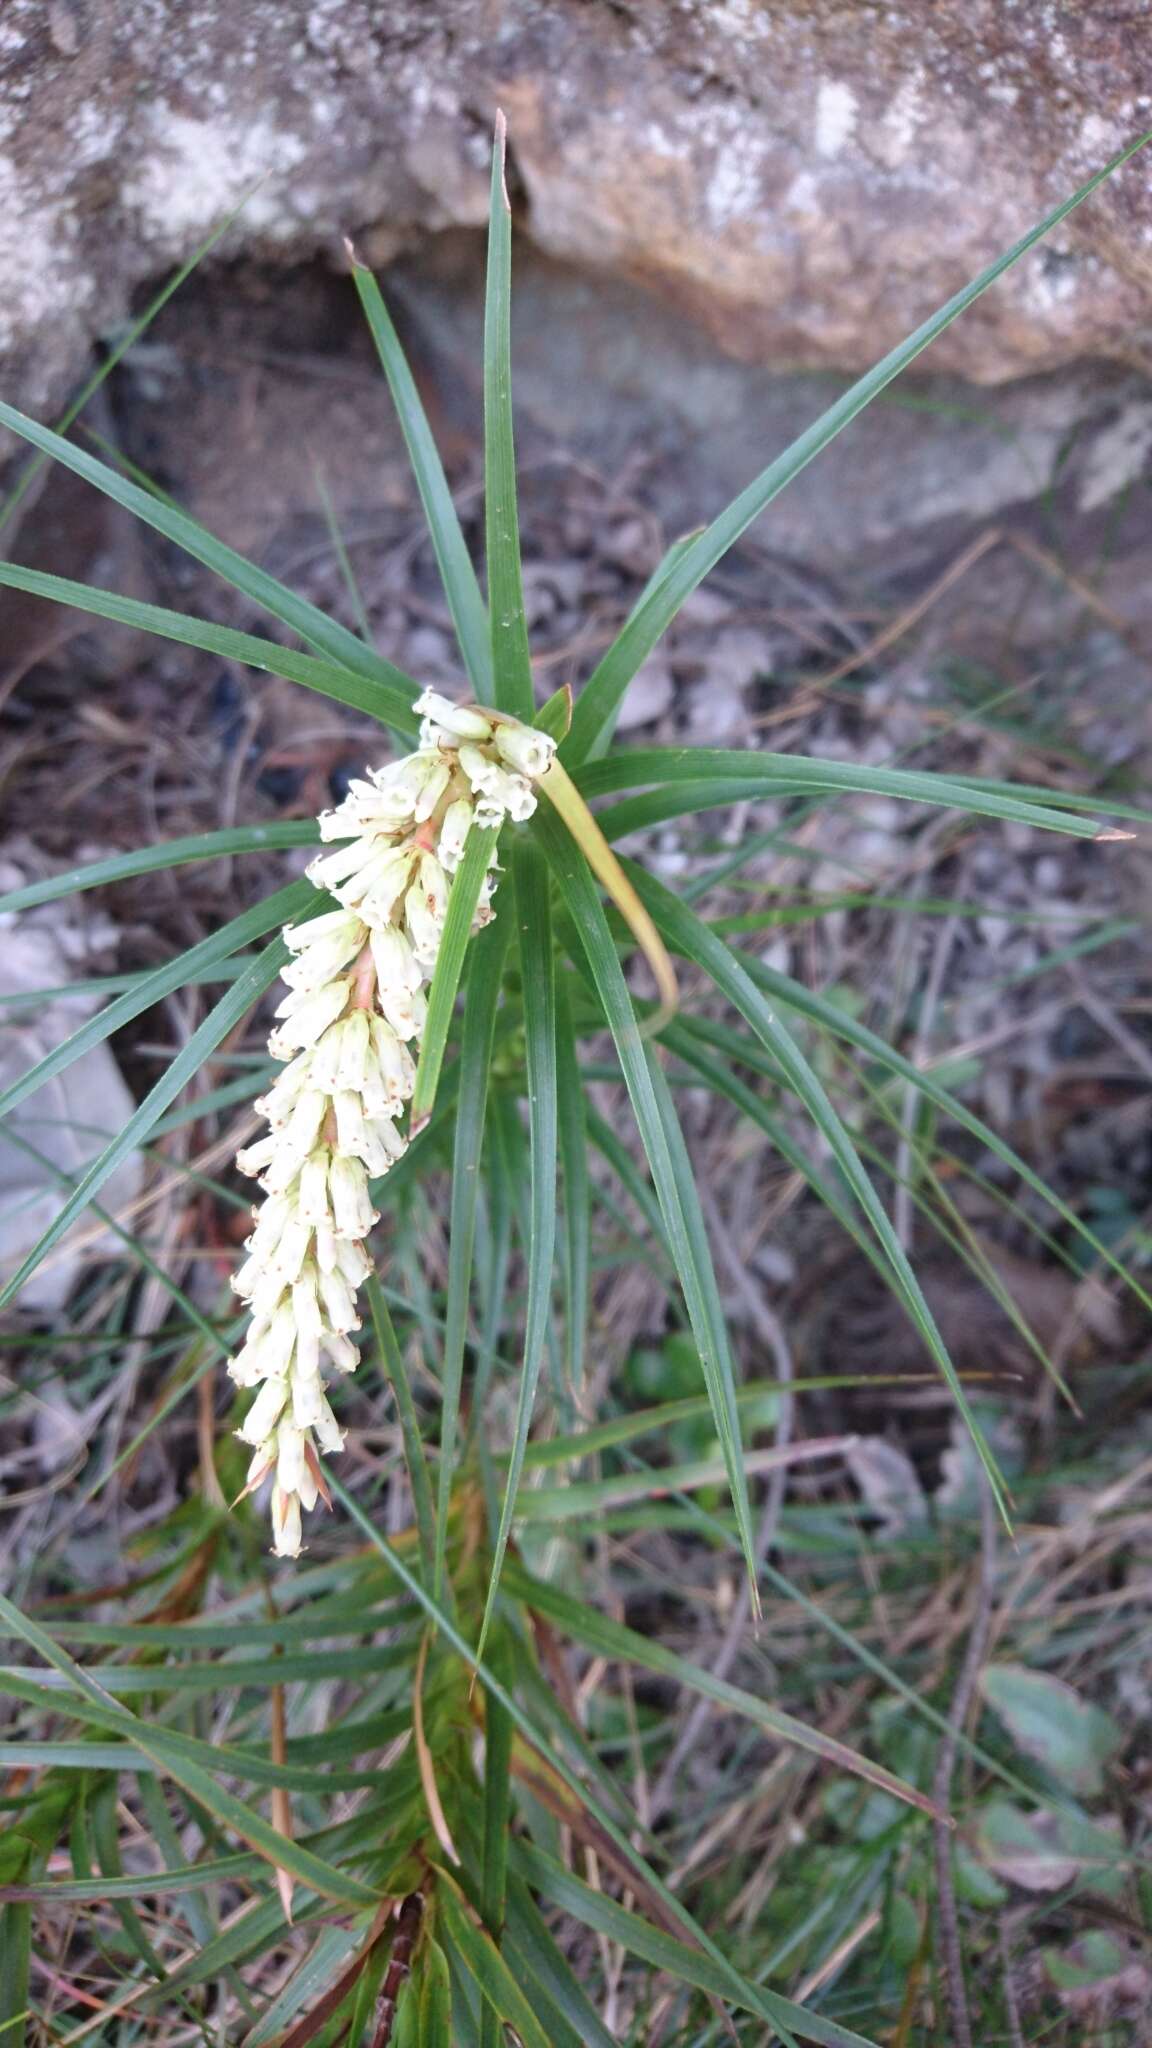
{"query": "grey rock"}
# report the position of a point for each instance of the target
(648, 696)
(806, 180)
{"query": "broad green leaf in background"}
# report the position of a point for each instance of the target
(1048, 1720)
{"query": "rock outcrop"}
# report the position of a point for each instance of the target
(806, 178)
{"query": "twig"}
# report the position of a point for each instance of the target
(1011, 2003)
(768, 1327)
(961, 2035)
(902, 1213)
(400, 1963)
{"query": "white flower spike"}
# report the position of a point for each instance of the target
(350, 1030)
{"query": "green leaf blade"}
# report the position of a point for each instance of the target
(668, 1159)
(511, 661)
(538, 983)
(469, 615)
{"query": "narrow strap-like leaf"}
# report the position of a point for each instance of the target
(707, 770)
(393, 1367)
(457, 574)
(388, 695)
(170, 853)
(487, 1968)
(668, 1160)
(511, 661)
(463, 896)
(692, 938)
(677, 1913)
(275, 911)
(573, 1139)
(614, 1640)
(188, 1061)
(486, 973)
(497, 1811)
(538, 985)
(313, 625)
(665, 1953)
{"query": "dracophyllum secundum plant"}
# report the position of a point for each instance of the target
(377, 1069)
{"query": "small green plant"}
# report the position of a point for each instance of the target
(434, 1842)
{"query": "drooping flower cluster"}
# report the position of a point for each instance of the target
(349, 1030)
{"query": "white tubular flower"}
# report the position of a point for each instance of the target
(306, 1016)
(312, 1196)
(255, 1159)
(453, 833)
(291, 1463)
(457, 721)
(424, 908)
(480, 768)
(318, 961)
(351, 1207)
(286, 1530)
(349, 1032)
(434, 787)
(330, 870)
(264, 1413)
(384, 882)
(523, 748)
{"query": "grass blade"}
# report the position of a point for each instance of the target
(677, 1913)
(511, 660)
(117, 353)
(388, 695)
(792, 995)
(497, 1805)
(172, 853)
(691, 937)
(484, 982)
(602, 693)
(573, 1139)
(275, 911)
(217, 1024)
(665, 1953)
(655, 583)
(463, 896)
(392, 1366)
(487, 1968)
(612, 1639)
(707, 772)
(538, 986)
(313, 626)
(667, 1157)
(457, 574)
(530, 1946)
